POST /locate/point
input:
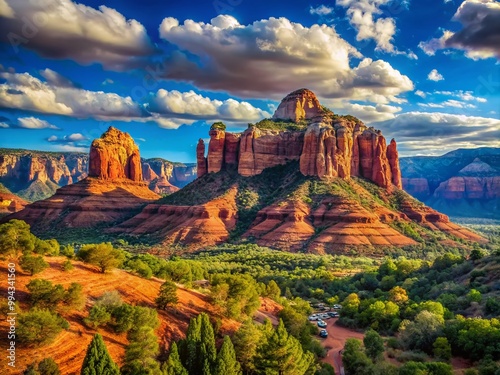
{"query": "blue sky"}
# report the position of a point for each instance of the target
(426, 73)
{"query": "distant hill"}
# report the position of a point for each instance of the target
(464, 182)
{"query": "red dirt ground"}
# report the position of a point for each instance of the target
(69, 348)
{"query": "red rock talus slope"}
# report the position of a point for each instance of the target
(111, 197)
(280, 208)
(328, 147)
(193, 226)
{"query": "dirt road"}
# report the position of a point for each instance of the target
(335, 342)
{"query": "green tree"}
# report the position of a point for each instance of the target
(283, 354)
(442, 349)
(102, 255)
(398, 295)
(74, 299)
(273, 291)
(97, 360)
(44, 294)
(173, 365)
(31, 370)
(98, 316)
(68, 251)
(226, 363)
(39, 326)
(355, 361)
(476, 254)
(167, 296)
(48, 367)
(422, 332)
(33, 264)
(474, 296)
(140, 354)
(15, 237)
(67, 265)
(374, 345)
(246, 340)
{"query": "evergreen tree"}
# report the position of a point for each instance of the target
(226, 360)
(97, 360)
(31, 370)
(246, 340)
(374, 344)
(208, 340)
(174, 366)
(140, 355)
(48, 367)
(198, 351)
(283, 354)
(167, 295)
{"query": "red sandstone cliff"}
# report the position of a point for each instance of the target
(329, 147)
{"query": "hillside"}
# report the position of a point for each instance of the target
(9, 202)
(281, 208)
(464, 182)
(70, 346)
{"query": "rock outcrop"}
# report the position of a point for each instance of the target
(460, 183)
(112, 192)
(299, 105)
(328, 147)
(115, 155)
(10, 203)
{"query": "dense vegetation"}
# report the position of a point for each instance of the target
(420, 312)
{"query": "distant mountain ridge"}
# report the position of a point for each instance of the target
(464, 182)
(35, 175)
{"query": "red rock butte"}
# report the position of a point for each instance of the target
(115, 155)
(113, 189)
(329, 147)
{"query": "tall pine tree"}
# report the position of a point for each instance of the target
(283, 354)
(97, 360)
(140, 355)
(198, 351)
(226, 360)
(173, 366)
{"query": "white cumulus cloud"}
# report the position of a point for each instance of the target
(435, 76)
(272, 57)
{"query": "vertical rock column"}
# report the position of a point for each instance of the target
(215, 157)
(393, 157)
(201, 160)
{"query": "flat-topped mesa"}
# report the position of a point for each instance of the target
(299, 105)
(115, 156)
(328, 147)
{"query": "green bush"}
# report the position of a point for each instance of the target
(39, 326)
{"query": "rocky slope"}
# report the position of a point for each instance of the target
(327, 146)
(111, 193)
(326, 184)
(35, 175)
(464, 182)
(10, 203)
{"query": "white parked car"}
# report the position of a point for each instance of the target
(313, 317)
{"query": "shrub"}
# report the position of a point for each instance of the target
(33, 264)
(39, 326)
(98, 316)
